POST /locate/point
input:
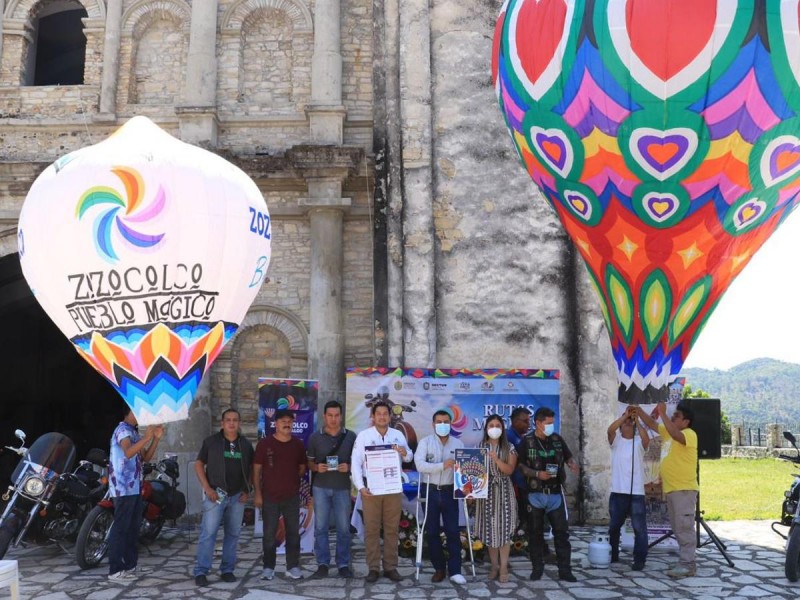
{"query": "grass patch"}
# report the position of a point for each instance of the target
(743, 488)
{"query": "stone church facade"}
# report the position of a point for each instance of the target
(405, 234)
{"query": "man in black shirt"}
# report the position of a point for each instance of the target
(223, 469)
(329, 453)
(543, 455)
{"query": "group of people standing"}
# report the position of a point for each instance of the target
(526, 472)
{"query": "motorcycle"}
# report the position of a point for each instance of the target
(790, 516)
(162, 502)
(46, 501)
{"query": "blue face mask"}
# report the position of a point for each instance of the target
(549, 429)
(442, 429)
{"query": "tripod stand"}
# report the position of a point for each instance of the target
(700, 522)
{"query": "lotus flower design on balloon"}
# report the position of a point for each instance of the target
(665, 136)
(147, 253)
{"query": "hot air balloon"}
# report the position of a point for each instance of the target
(146, 252)
(665, 136)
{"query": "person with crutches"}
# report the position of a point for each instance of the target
(435, 459)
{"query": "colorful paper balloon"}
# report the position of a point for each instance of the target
(146, 252)
(665, 136)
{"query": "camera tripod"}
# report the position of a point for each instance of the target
(700, 522)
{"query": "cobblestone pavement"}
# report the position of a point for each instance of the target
(49, 573)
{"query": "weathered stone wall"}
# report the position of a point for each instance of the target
(509, 290)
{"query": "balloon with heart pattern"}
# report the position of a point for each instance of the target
(146, 252)
(666, 137)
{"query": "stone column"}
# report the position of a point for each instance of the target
(736, 436)
(108, 89)
(326, 338)
(419, 312)
(774, 436)
(2, 10)
(326, 113)
(197, 114)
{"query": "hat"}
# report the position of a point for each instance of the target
(282, 413)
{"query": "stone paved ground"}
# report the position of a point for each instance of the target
(48, 573)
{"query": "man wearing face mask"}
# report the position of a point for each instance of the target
(435, 460)
(543, 456)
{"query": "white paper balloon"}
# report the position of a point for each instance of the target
(146, 252)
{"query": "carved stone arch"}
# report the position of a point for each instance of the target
(23, 9)
(297, 11)
(144, 9)
(280, 320)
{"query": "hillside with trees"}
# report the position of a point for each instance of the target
(761, 390)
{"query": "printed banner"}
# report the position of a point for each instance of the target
(299, 396)
(413, 395)
(471, 474)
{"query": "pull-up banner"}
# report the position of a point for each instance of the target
(413, 395)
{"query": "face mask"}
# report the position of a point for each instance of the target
(549, 429)
(442, 429)
(494, 432)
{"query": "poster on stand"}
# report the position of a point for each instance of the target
(299, 396)
(471, 474)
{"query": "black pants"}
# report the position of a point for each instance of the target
(558, 521)
(272, 511)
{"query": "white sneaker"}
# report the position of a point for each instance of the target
(458, 578)
(121, 576)
(268, 574)
(138, 571)
(294, 573)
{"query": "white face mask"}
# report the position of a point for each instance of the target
(442, 429)
(494, 432)
(549, 429)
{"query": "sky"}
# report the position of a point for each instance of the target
(759, 315)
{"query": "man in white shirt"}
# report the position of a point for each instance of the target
(627, 484)
(435, 460)
(384, 510)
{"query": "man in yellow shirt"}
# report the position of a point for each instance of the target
(679, 480)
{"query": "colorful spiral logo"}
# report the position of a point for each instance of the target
(459, 422)
(114, 218)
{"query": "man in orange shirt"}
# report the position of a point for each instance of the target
(679, 480)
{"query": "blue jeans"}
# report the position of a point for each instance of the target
(442, 505)
(229, 513)
(620, 506)
(123, 553)
(551, 507)
(330, 502)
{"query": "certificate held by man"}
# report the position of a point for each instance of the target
(383, 472)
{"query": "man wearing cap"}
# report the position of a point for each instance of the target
(279, 463)
(435, 459)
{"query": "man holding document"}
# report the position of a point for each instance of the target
(376, 472)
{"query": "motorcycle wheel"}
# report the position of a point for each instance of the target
(150, 536)
(7, 533)
(92, 544)
(793, 554)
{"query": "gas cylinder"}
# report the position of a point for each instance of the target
(600, 551)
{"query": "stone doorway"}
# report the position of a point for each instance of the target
(44, 384)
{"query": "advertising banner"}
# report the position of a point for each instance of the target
(299, 396)
(471, 474)
(413, 395)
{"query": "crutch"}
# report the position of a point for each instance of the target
(421, 528)
(469, 539)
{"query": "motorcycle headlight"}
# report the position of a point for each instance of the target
(34, 486)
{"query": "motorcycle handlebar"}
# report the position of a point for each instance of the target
(794, 459)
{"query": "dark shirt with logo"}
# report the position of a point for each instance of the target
(280, 462)
(536, 454)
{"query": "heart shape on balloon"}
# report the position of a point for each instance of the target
(660, 207)
(554, 147)
(748, 213)
(537, 59)
(663, 153)
(645, 40)
(579, 204)
(781, 159)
